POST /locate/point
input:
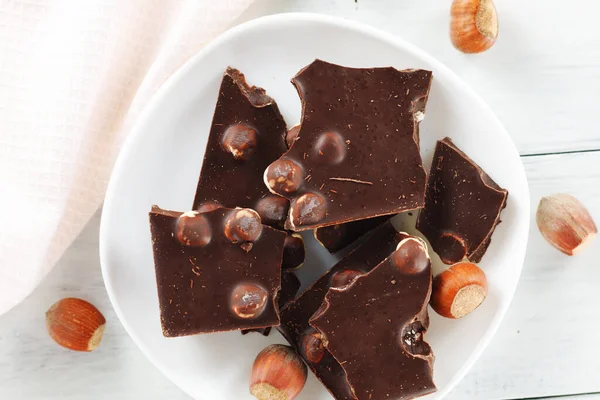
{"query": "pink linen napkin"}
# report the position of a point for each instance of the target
(74, 75)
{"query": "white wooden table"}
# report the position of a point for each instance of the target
(542, 79)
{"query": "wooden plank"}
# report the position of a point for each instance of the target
(541, 77)
(547, 345)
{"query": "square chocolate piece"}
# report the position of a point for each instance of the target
(357, 152)
(462, 206)
(374, 326)
(246, 135)
(295, 316)
(215, 271)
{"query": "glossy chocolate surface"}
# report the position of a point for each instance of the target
(337, 237)
(374, 326)
(214, 284)
(246, 135)
(462, 206)
(295, 316)
(357, 153)
(290, 284)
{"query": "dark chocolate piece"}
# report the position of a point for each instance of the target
(289, 287)
(215, 271)
(246, 135)
(462, 206)
(374, 326)
(294, 317)
(357, 153)
(293, 258)
(337, 237)
(293, 252)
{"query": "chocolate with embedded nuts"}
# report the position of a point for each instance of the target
(462, 206)
(229, 281)
(356, 155)
(246, 135)
(387, 309)
(289, 288)
(295, 316)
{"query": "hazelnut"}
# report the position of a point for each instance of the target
(312, 345)
(307, 209)
(330, 148)
(283, 176)
(565, 223)
(208, 206)
(273, 209)
(75, 324)
(412, 339)
(248, 300)
(292, 135)
(459, 290)
(293, 252)
(193, 229)
(240, 141)
(411, 256)
(454, 248)
(345, 277)
(243, 225)
(278, 373)
(473, 25)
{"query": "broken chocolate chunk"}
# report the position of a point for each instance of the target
(356, 155)
(337, 237)
(462, 206)
(295, 316)
(289, 287)
(374, 326)
(246, 135)
(207, 282)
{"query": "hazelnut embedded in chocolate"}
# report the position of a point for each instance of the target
(312, 346)
(330, 148)
(240, 141)
(411, 256)
(243, 225)
(455, 248)
(283, 176)
(344, 277)
(293, 252)
(273, 209)
(292, 135)
(412, 338)
(309, 208)
(208, 206)
(248, 300)
(193, 229)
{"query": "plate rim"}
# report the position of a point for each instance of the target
(362, 28)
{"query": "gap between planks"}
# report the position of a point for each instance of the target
(559, 396)
(558, 153)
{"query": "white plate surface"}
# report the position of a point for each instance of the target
(161, 160)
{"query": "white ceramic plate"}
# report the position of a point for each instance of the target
(161, 160)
